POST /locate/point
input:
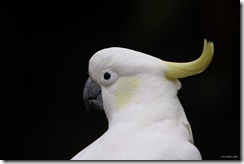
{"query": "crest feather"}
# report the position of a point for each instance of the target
(180, 70)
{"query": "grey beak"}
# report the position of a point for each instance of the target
(92, 95)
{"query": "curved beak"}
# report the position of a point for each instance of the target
(92, 95)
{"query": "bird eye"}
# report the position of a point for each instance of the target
(108, 77)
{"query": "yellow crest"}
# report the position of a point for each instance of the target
(180, 70)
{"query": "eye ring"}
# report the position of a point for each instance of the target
(108, 77)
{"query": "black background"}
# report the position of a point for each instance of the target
(52, 44)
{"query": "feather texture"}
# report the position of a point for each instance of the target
(146, 119)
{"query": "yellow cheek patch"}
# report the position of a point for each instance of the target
(125, 90)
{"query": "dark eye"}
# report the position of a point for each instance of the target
(106, 76)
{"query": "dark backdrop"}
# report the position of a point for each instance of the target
(52, 44)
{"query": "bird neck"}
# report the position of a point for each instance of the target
(146, 112)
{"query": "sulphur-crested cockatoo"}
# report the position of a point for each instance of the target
(138, 93)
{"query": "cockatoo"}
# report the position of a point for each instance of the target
(138, 93)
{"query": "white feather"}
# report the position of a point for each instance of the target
(146, 119)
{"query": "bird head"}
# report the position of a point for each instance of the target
(121, 78)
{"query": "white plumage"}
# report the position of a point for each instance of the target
(146, 119)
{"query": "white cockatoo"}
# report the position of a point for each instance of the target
(138, 93)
